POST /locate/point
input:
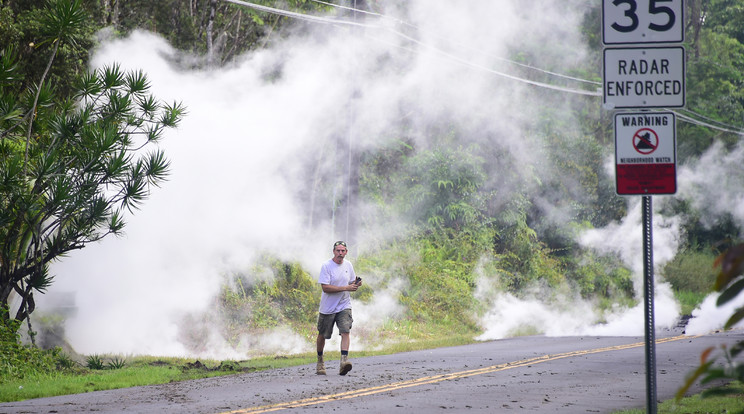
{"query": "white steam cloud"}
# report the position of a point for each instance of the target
(264, 134)
(264, 137)
(714, 184)
(566, 313)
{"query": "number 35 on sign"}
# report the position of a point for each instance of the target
(642, 21)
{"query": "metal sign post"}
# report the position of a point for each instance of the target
(648, 288)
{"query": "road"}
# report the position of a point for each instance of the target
(527, 374)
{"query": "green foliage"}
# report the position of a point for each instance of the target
(116, 362)
(689, 301)
(94, 361)
(273, 293)
(698, 231)
(220, 29)
(715, 78)
(18, 361)
(99, 362)
(600, 277)
(31, 27)
(71, 164)
(440, 188)
(691, 271)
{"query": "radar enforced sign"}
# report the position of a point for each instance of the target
(645, 153)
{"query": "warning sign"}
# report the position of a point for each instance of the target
(645, 153)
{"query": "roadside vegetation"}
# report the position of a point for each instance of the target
(716, 404)
(474, 213)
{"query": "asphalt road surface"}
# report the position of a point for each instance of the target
(527, 374)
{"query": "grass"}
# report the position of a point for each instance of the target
(151, 370)
(689, 301)
(697, 405)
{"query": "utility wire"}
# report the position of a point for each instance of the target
(722, 126)
(334, 21)
(462, 45)
(338, 6)
(294, 15)
(691, 120)
(720, 123)
(324, 20)
(495, 72)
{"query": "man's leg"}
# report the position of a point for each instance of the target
(320, 366)
(344, 322)
(345, 365)
(320, 342)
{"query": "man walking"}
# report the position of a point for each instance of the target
(337, 278)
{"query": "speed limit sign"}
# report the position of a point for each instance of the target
(642, 21)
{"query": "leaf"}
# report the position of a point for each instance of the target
(63, 21)
(731, 263)
(88, 86)
(730, 293)
(9, 72)
(157, 167)
(735, 318)
(137, 82)
(705, 354)
(111, 76)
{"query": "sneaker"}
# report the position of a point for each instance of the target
(345, 366)
(320, 368)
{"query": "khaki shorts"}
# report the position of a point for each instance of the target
(342, 319)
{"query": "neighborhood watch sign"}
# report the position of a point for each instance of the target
(645, 153)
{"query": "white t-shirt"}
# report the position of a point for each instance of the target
(335, 274)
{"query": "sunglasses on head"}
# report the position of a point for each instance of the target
(339, 243)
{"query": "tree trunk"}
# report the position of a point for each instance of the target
(696, 12)
(105, 12)
(210, 40)
(115, 13)
(110, 12)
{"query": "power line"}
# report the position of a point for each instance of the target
(720, 123)
(722, 126)
(691, 120)
(335, 21)
(295, 15)
(323, 20)
(349, 8)
(462, 45)
(495, 72)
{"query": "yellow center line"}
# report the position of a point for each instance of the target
(442, 377)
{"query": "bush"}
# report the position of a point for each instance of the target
(18, 361)
(691, 271)
(94, 362)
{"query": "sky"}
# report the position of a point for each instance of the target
(240, 184)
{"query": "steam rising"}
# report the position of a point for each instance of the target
(241, 186)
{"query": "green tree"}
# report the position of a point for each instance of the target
(216, 29)
(442, 188)
(71, 166)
